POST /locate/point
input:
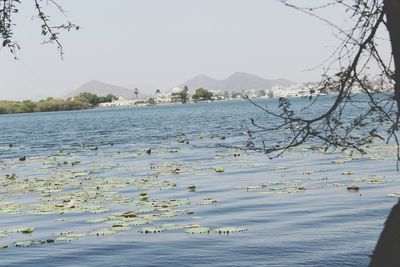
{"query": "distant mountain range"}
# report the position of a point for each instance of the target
(102, 89)
(236, 82)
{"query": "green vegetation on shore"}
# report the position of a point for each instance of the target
(202, 94)
(83, 101)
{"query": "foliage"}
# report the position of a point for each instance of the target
(261, 93)
(184, 94)
(226, 95)
(83, 101)
(202, 95)
(94, 99)
(50, 104)
(237, 95)
(8, 8)
(350, 122)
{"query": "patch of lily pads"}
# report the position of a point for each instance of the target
(276, 187)
(109, 194)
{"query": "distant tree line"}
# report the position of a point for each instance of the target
(94, 100)
(202, 94)
(184, 94)
(84, 100)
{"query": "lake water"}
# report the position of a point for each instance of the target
(291, 211)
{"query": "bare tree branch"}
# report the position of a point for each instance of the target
(337, 128)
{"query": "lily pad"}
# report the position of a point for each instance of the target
(396, 194)
(152, 230)
(96, 220)
(27, 230)
(230, 230)
(347, 173)
(66, 238)
(198, 230)
(219, 169)
(172, 226)
(104, 231)
(353, 188)
(208, 201)
(24, 244)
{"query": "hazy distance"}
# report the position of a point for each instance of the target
(163, 43)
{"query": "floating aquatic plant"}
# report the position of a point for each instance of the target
(353, 188)
(219, 169)
(208, 201)
(197, 230)
(152, 230)
(230, 230)
(347, 173)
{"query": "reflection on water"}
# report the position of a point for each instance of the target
(166, 166)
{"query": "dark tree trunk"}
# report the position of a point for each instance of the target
(387, 251)
(392, 10)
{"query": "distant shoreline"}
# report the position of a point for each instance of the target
(83, 101)
(113, 107)
(142, 103)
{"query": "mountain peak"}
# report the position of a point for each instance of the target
(101, 88)
(198, 81)
(237, 81)
(239, 73)
(243, 75)
(202, 76)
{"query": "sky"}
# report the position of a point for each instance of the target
(163, 43)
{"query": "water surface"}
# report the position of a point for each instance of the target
(323, 225)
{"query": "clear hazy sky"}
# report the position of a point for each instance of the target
(164, 43)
